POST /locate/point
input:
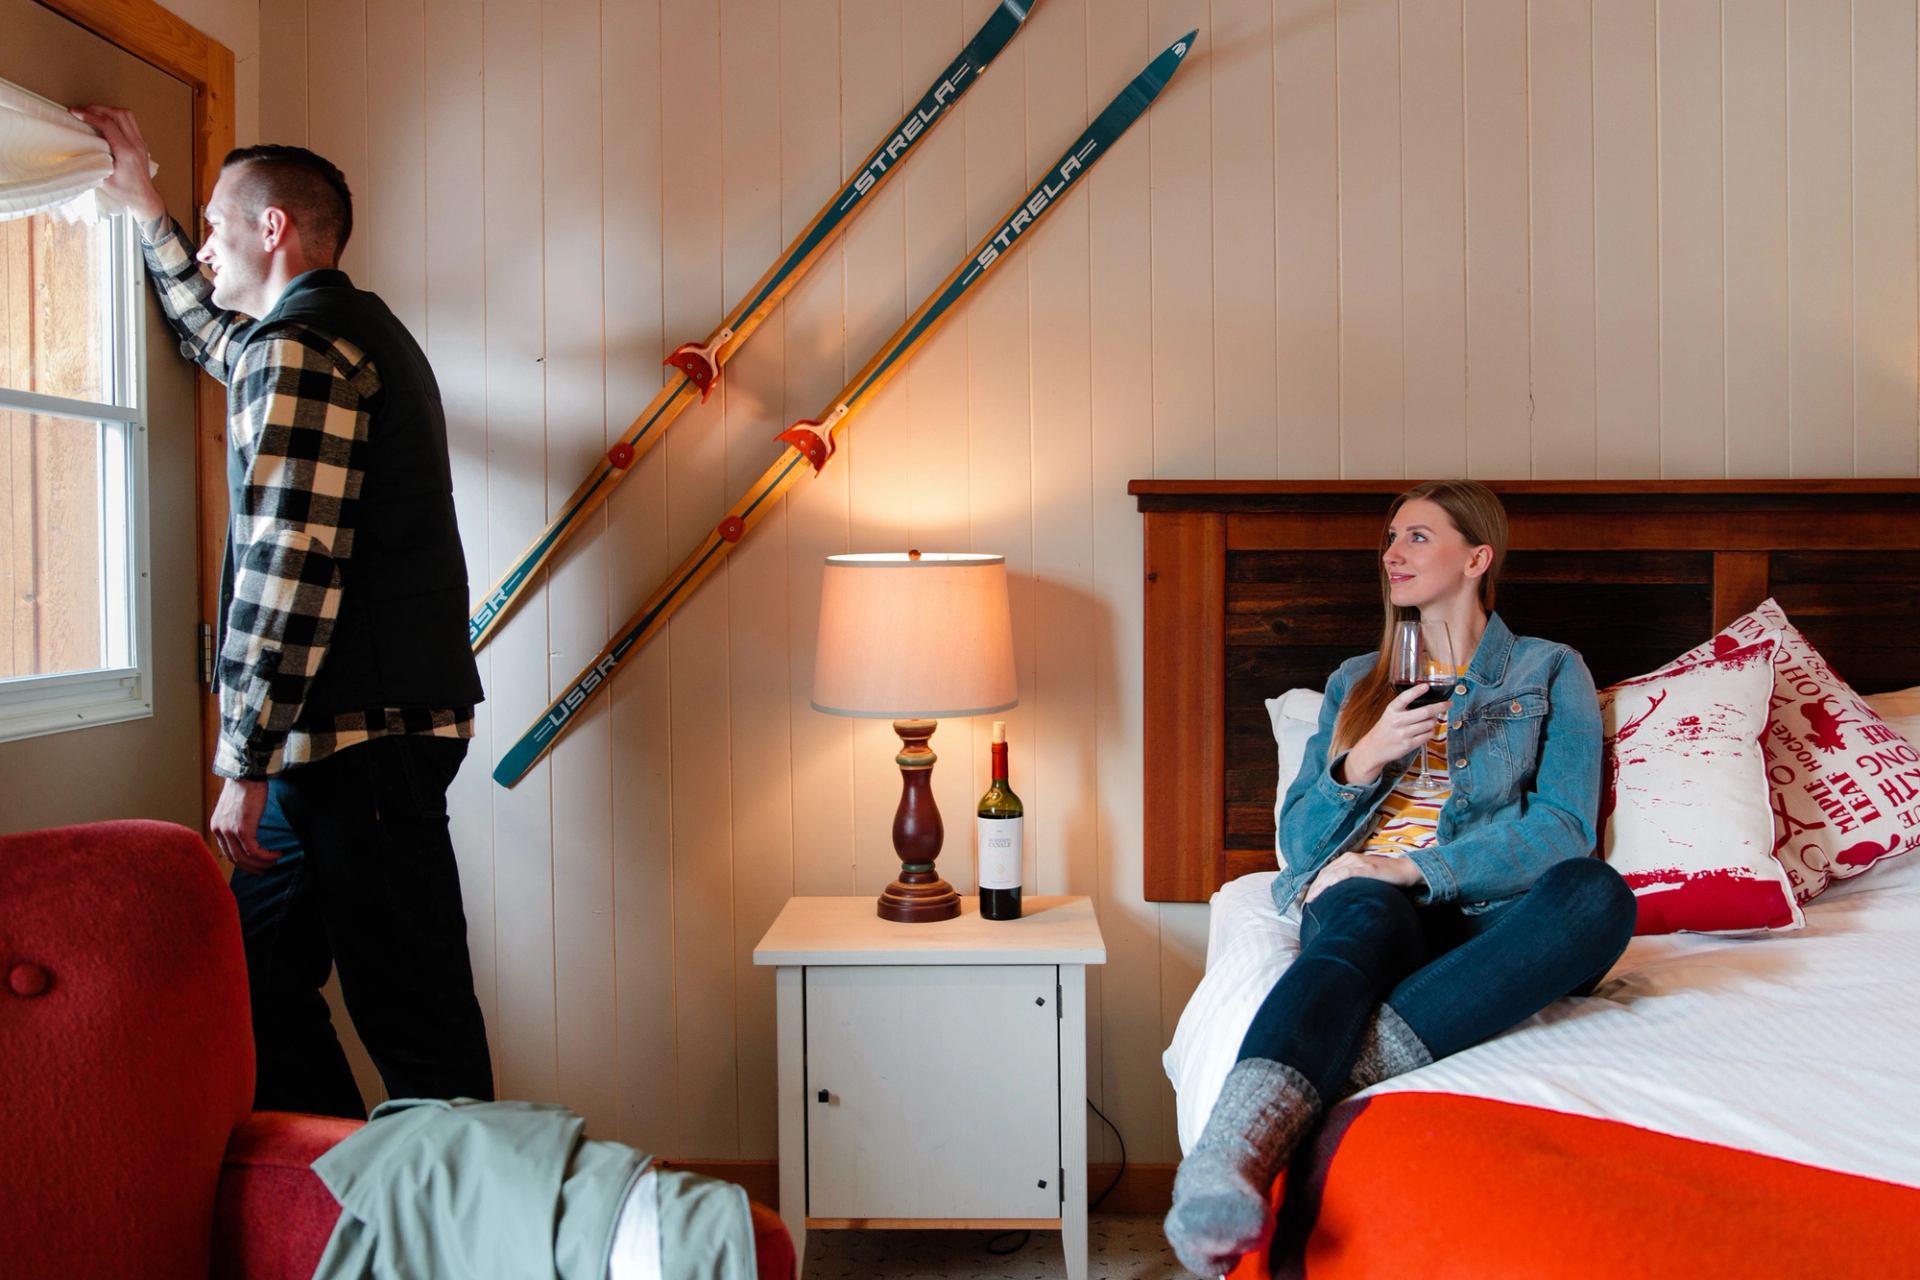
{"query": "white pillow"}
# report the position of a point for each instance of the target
(1684, 810)
(1901, 710)
(1295, 715)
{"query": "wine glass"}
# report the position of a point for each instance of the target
(1410, 667)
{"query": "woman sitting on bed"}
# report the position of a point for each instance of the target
(1438, 911)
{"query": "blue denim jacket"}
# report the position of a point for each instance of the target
(1524, 737)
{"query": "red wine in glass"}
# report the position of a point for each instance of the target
(1411, 665)
(1434, 694)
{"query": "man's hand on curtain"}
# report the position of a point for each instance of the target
(131, 182)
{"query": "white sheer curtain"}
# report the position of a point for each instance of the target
(49, 161)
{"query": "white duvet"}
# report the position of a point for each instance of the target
(1799, 1045)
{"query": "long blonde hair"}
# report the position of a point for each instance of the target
(1476, 512)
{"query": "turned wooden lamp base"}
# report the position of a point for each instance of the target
(919, 894)
(918, 903)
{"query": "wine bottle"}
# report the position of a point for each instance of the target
(999, 821)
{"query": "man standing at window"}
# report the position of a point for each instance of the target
(346, 682)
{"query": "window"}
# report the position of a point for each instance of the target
(74, 623)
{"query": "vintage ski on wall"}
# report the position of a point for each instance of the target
(700, 364)
(811, 443)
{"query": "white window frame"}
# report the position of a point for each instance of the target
(121, 690)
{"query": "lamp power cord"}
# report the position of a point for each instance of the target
(993, 1245)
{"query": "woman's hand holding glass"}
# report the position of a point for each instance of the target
(1400, 729)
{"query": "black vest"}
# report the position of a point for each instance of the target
(401, 637)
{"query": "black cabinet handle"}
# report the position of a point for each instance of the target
(823, 1095)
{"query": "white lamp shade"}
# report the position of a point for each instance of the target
(903, 638)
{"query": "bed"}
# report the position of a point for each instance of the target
(1720, 1105)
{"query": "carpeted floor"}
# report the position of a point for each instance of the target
(1120, 1246)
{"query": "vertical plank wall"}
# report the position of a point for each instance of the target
(1355, 237)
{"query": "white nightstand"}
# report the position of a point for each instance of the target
(934, 1075)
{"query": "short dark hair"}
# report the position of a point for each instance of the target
(308, 186)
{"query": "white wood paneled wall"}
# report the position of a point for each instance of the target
(1359, 238)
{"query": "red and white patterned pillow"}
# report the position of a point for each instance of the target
(1684, 812)
(1845, 785)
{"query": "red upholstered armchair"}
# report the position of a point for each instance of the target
(131, 1148)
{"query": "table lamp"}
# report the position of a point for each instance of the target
(915, 638)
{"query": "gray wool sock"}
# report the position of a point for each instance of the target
(1391, 1048)
(1220, 1193)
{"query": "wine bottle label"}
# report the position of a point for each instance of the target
(999, 852)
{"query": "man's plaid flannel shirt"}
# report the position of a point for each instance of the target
(298, 422)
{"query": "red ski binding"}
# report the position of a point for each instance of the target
(814, 439)
(731, 529)
(811, 444)
(620, 456)
(700, 362)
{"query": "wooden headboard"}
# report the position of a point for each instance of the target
(1255, 587)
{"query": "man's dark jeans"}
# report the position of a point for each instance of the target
(1456, 979)
(366, 881)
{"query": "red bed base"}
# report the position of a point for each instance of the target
(1439, 1185)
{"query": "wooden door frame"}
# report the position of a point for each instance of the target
(163, 40)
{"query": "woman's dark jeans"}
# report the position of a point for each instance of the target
(1456, 979)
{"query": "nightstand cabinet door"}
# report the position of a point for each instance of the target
(942, 1088)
